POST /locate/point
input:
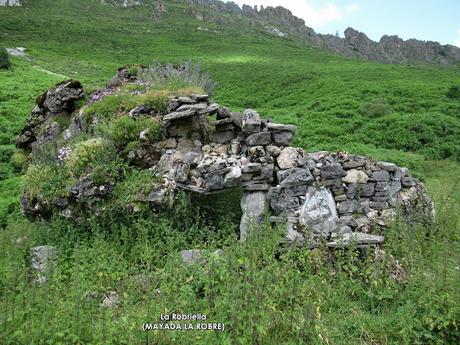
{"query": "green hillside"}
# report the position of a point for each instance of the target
(399, 113)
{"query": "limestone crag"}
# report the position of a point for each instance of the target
(336, 198)
(280, 22)
(10, 3)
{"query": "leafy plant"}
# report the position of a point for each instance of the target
(376, 108)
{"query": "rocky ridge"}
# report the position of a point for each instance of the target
(390, 49)
(10, 3)
(336, 198)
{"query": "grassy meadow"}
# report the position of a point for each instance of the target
(264, 294)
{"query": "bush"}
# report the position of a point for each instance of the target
(174, 77)
(125, 130)
(4, 59)
(87, 152)
(376, 108)
(453, 92)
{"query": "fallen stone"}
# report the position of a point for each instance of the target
(43, 262)
(358, 238)
(110, 299)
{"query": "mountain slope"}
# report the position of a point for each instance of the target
(338, 103)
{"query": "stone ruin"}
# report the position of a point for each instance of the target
(321, 197)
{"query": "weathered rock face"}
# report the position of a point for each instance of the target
(280, 22)
(42, 126)
(336, 198)
(10, 3)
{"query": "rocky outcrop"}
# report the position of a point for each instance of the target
(390, 49)
(42, 126)
(335, 198)
(10, 3)
(280, 22)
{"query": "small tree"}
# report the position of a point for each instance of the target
(4, 59)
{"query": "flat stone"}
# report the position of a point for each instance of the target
(255, 186)
(192, 107)
(332, 171)
(408, 181)
(224, 137)
(351, 164)
(199, 98)
(179, 115)
(261, 138)
(295, 177)
(251, 121)
(360, 190)
(186, 100)
(282, 138)
(358, 238)
(380, 176)
(277, 127)
(251, 167)
(387, 166)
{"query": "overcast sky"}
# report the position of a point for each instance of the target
(435, 20)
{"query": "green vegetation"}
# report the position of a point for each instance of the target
(4, 59)
(265, 295)
(166, 77)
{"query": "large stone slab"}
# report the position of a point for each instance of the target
(43, 262)
(319, 212)
(253, 205)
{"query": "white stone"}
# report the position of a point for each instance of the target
(319, 212)
(355, 176)
(291, 157)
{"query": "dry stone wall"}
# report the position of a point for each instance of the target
(335, 198)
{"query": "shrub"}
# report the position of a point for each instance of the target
(110, 106)
(87, 152)
(36, 179)
(135, 184)
(453, 92)
(158, 100)
(19, 159)
(376, 108)
(125, 130)
(174, 77)
(4, 59)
